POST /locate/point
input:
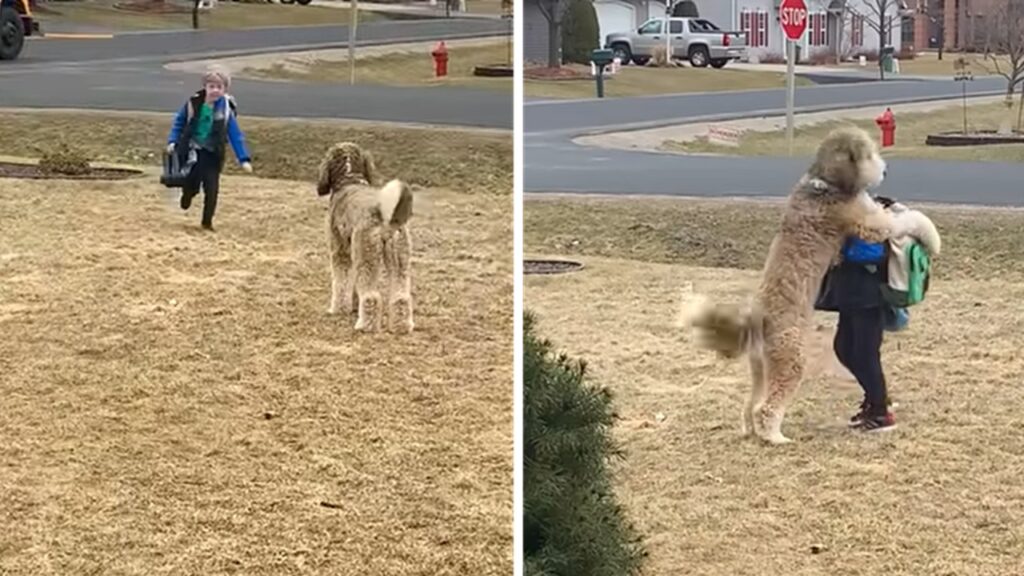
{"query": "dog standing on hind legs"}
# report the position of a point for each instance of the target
(368, 239)
(829, 203)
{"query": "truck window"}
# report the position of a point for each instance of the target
(701, 25)
(652, 27)
(675, 27)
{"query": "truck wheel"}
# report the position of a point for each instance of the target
(720, 63)
(12, 34)
(641, 60)
(621, 51)
(699, 57)
(304, 2)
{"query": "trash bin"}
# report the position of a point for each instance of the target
(887, 56)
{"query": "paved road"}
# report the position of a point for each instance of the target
(553, 163)
(161, 46)
(127, 73)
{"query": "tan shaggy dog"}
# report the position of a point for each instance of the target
(829, 203)
(368, 238)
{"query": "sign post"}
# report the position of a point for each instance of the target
(793, 17)
(352, 43)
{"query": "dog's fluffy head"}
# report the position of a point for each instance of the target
(346, 163)
(848, 160)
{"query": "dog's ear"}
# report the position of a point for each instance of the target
(325, 181)
(369, 168)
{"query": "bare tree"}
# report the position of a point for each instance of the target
(1004, 44)
(554, 11)
(840, 9)
(881, 16)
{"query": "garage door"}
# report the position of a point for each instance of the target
(614, 16)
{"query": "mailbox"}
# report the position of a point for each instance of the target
(602, 57)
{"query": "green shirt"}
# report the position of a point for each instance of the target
(204, 125)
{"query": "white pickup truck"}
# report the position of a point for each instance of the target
(694, 39)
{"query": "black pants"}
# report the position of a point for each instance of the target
(858, 345)
(205, 173)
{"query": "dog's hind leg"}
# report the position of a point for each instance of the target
(784, 370)
(367, 255)
(399, 252)
(341, 260)
(757, 391)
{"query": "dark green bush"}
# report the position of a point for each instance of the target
(685, 9)
(579, 32)
(572, 523)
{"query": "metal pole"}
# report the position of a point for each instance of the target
(352, 43)
(790, 91)
(600, 81)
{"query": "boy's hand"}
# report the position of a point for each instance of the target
(170, 148)
(247, 167)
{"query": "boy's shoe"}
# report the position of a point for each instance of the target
(858, 418)
(881, 423)
(186, 200)
(208, 227)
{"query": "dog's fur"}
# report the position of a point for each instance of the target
(368, 235)
(829, 203)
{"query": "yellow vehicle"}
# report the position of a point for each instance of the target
(16, 23)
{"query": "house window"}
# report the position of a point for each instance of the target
(755, 26)
(856, 30)
(818, 29)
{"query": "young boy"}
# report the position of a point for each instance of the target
(853, 290)
(199, 134)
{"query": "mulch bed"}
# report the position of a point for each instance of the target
(153, 7)
(564, 73)
(550, 266)
(32, 172)
(973, 138)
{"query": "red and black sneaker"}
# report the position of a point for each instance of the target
(881, 423)
(858, 418)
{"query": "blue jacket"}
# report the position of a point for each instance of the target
(855, 283)
(224, 106)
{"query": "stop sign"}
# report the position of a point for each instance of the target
(793, 17)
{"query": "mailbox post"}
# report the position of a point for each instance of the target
(601, 58)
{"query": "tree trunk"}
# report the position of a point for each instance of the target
(554, 37)
(881, 47)
(1020, 110)
(839, 36)
(195, 15)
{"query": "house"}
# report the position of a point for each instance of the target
(760, 20)
(535, 33)
(959, 24)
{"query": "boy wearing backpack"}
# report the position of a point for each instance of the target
(853, 289)
(199, 136)
(870, 289)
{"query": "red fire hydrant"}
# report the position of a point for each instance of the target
(440, 55)
(887, 123)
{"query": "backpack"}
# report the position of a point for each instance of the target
(909, 267)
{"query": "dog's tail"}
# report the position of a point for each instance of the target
(728, 329)
(395, 201)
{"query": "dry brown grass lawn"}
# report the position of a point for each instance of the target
(643, 81)
(940, 495)
(928, 64)
(400, 69)
(226, 15)
(177, 402)
(911, 131)
(471, 160)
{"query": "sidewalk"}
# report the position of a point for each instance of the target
(419, 9)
